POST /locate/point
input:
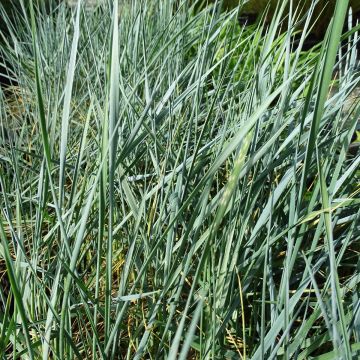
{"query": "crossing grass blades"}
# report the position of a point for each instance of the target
(178, 186)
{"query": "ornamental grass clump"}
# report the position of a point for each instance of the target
(179, 186)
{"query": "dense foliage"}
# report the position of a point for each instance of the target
(174, 185)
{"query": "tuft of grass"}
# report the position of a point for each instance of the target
(178, 186)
